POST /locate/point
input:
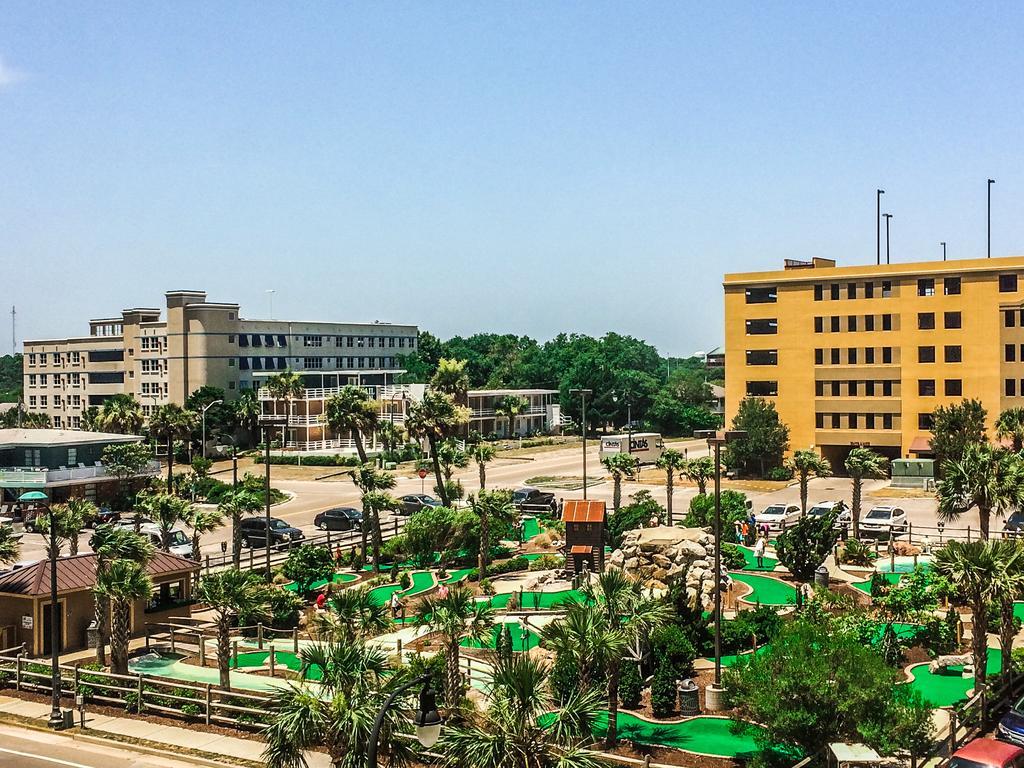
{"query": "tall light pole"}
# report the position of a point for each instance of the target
(990, 183)
(887, 217)
(943, 244)
(878, 225)
(428, 722)
(716, 440)
(629, 417)
(268, 422)
(583, 418)
(40, 499)
(270, 295)
(207, 407)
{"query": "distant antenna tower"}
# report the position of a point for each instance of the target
(14, 335)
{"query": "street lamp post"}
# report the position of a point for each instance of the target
(428, 721)
(56, 719)
(887, 217)
(878, 225)
(716, 440)
(943, 244)
(207, 407)
(990, 183)
(629, 418)
(268, 422)
(583, 418)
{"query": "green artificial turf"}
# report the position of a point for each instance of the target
(339, 578)
(751, 564)
(421, 582)
(531, 528)
(540, 600)
(706, 735)
(947, 688)
(456, 575)
(865, 586)
(767, 591)
(519, 643)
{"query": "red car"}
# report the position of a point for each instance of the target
(988, 753)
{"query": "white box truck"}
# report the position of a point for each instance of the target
(646, 447)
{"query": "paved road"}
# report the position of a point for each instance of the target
(313, 496)
(22, 748)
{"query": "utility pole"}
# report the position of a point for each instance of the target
(14, 335)
(887, 217)
(990, 183)
(878, 226)
(943, 244)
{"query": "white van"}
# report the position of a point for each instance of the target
(645, 447)
(181, 544)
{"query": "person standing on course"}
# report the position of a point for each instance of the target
(759, 551)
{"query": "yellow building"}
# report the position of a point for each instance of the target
(862, 355)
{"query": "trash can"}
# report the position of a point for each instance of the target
(92, 635)
(689, 701)
(821, 576)
(68, 720)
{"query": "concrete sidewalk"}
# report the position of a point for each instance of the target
(223, 749)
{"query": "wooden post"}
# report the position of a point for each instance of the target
(259, 635)
(250, 558)
(915, 560)
(208, 686)
(910, 533)
(399, 647)
(952, 731)
(17, 672)
(141, 691)
(396, 524)
(207, 563)
(74, 691)
(271, 660)
(892, 560)
(234, 652)
(172, 640)
(202, 650)
(968, 533)
(99, 637)
(295, 640)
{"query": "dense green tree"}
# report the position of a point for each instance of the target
(1010, 426)
(803, 464)
(984, 477)
(10, 544)
(221, 419)
(802, 547)
(248, 409)
(11, 381)
(509, 407)
(452, 379)
(765, 443)
(110, 543)
(122, 584)
(434, 418)
(956, 426)
(354, 613)
(1008, 588)
(307, 564)
(700, 471)
(121, 414)
(491, 507)
(702, 510)
(862, 463)
(637, 514)
(428, 531)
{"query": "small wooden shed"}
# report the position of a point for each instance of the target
(584, 534)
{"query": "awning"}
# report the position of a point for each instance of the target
(921, 445)
(581, 549)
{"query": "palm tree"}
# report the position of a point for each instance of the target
(432, 419)
(167, 511)
(247, 411)
(699, 471)
(584, 636)
(339, 716)
(456, 616)
(985, 477)
(622, 603)
(391, 434)
(227, 594)
(109, 544)
(862, 463)
(619, 465)
(239, 503)
(202, 521)
(1008, 587)
(803, 464)
(452, 457)
(352, 410)
(523, 727)
(373, 484)
(286, 386)
(451, 378)
(974, 570)
(10, 545)
(491, 506)
(483, 454)
(171, 422)
(1010, 425)
(671, 461)
(70, 519)
(122, 584)
(510, 406)
(91, 420)
(121, 414)
(353, 614)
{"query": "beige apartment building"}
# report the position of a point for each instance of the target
(162, 357)
(862, 355)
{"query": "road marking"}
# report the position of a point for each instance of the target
(54, 760)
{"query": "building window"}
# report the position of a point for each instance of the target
(851, 323)
(819, 388)
(819, 420)
(762, 388)
(886, 421)
(312, 362)
(886, 289)
(818, 293)
(31, 379)
(851, 388)
(819, 325)
(869, 290)
(835, 388)
(953, 353)
(231, 385)
(231, 362)
(869, 388)
(869, 356)
(952, 320)
(926, 321)
(954, 388)
(833, 356)
(1009, 318)
(951, 286)
(32, 358)
(31, 401)
(765, 295)
(764, 327)
(762, 357)
(835, 421)
(925, 286)
(869, 421)
(834, 323)
(926, 387)
(1011, 388)
(851, 290)
(851, 356)
(834, 291)
(887, 388)
(43, 402)
(819, 357)
(869, 322)
(853, 420)
(886, 322)
(312, 341)
(231, 338)
(926, 354)
(925, 421)
(1007, 283)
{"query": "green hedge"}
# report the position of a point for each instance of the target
(315, 460)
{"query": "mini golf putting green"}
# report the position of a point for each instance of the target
(339, 578)
(944, 689)
(456, 575)
(258, 659)
(172, 667)
(865, 586)
(766, 591)
(730, 659)
(702, 735)
(1018, 610)
(531, 528)
(519, 641)
(751, 564)
(421, 582)
(540, 600)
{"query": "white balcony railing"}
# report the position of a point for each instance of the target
(322, 393)
(322, 445)
(486, 413)
(41, 477)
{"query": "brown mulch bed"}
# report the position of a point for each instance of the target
(670, 756)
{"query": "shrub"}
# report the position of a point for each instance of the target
(856, 552)
(630, 686)
(486, 587)
(702, 510)
(335, 460)
(663, 690)
(670, 645)
(738, 634)
(405, 580)
(732, 558)
(564, 679)
(547, 563)
(307, 564)
(505, 566)
(779, 474)
(191, 710)
(636, 514)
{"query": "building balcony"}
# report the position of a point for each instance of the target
(43, 477)
(488, 413)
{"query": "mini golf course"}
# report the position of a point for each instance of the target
(766, 590)
(258, 659)
(732, 658)
(540, 600)
(521, 640)
(457, 575)
(339, 578)
(421, 582)
(751, 564)
(865, 586)
(703, 735)
(172, 667)
(946, 688)
(531, 528)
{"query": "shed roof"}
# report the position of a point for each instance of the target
(40, 438)
(581, 511)
(78, 573)
(581, 549)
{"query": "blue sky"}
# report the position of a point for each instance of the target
(524, 167)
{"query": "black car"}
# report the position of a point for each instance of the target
(105, 515)
(1014, 525)
(339, 519)
(281, 534)
(534, 500)
(414, 502)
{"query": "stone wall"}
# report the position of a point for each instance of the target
(665, 555)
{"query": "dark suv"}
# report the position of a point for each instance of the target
(534, 500)
(339, 519)
(414, 502)
(281, 534)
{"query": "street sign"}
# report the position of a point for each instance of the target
(422, 473)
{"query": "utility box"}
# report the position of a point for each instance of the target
(913, 473)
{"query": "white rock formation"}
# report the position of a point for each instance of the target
(663, 555)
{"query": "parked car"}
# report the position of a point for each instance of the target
(180, 543)
(844, 518)
(988, 753)
(105, 515)
(777, 516)
(883, 521)
(528, 499)
(254, 532)
(414, 502)
(1011, 726)
(339, 519)
(1014, 524)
